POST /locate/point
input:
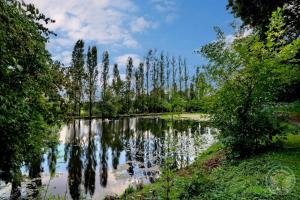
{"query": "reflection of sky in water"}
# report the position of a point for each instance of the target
(139, 146)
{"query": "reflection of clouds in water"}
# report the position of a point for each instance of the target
(112, 154)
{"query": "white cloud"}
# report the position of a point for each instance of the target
(140, 24)
(103, 22)
(230, 38)
(64, 57)
(98, 20)
(170, 18)
(166, 7)
(123, 60)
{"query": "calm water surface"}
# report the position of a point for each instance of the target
(99, 157)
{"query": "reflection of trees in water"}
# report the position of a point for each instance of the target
(116, 142)
(128, 144)
(104, 142)
(90, 162)
(147, 146)
(52, 159)
(35, 170)
(146, 143)
(75, 163)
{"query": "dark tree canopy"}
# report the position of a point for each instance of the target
(257, 13)
(29, 84)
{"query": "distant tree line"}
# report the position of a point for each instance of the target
(160, 83)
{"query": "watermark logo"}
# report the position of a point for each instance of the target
(280, 180)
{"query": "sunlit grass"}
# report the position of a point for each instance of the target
(239, 179)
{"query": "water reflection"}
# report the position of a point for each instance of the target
(103, 157)
(91, 163)
(75, 164)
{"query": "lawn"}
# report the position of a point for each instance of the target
(186, 116)
(274, 174)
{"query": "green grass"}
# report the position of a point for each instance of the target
(186, 116)
(293, 109)
(212, 176)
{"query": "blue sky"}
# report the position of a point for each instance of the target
(131, 27)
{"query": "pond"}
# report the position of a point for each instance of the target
(101, 157)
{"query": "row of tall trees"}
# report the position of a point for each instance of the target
(160, 83)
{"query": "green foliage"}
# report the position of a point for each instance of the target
(30, 84)
(198, 185)
(247, 75)
(105, 75)
(128, 84)
(168, 176)
(91, 76)
(77, 76)
(256, 14)
(292, 109)
(176, 104)
(117, 89)
(239, 179)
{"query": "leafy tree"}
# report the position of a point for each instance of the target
(199, 92)
(247, 75)
(117, 86)
(180, 73)
(168, 74)
(140, 93)
(185, 78)
(148, 65)
(177, 103)
(77, 74)
(162, 74)
(129, 70)
(154, 75)
(142, 78)
(116, 82)
(174, 74)
(30, 103)
(105, 74)
(92, 74)
(257, 14)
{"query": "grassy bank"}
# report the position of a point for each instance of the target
(167, 116)
(184, 116)
(212, 176)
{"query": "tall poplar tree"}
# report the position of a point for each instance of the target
(148, 65)
(139, 88)
(174, 73)
(137, 84)
(92, 74)
(180, 73)
(186, 78)
(116, 82)
(162, 74)
(168, 72)
(129, 69)
(142, 78)
(105, 74)
(77, 71)
(117, 85)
